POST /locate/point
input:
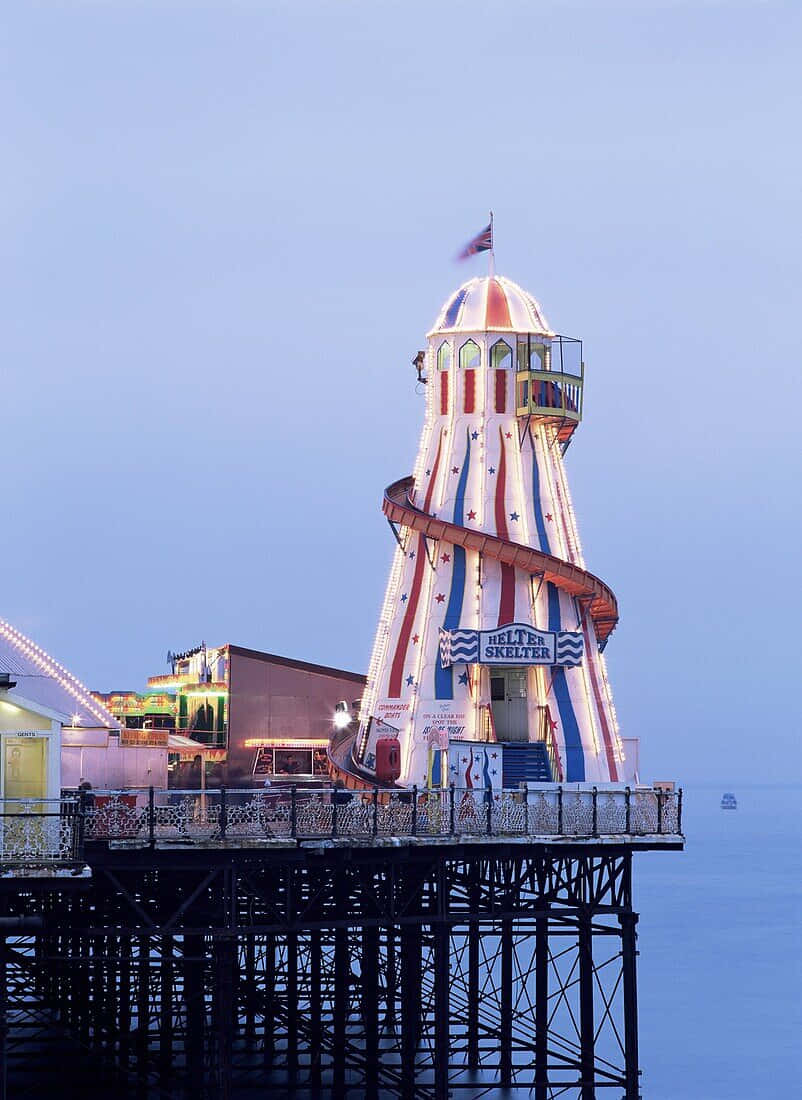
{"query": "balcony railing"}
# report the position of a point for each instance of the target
(328, 813)
(40, 831)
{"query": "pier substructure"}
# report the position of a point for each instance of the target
(417, 970)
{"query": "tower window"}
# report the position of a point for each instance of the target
(500, 355)
(444, 356)
(469, 356)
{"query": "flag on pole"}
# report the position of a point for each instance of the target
(482, 242)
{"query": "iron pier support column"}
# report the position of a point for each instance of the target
(166, 977)
(410, 1004)
(250, 987)
(370, 1008)
(442, 1029)
(292, 1005)
(225, 961)
(442, 952)
(195, 1011)
(586, 1025)
(124, 1041)
(3, 1018)
(541, 1007)
(315, 1009)
(629, 954)
(505, 1021)
(143, 1012)
(391, 977)
(473, 969)
(268, 1018)
(342, 985)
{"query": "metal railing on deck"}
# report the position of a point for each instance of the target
(39, 831)
(327, 813)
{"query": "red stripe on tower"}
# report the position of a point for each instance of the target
(470, 390)
(506, 608)
(497, 314)
(501, 391)
(405, 633)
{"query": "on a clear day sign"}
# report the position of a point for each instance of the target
(512, 644)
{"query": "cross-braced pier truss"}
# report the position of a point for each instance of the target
(417, 970)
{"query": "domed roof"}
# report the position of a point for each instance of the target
(491, 304)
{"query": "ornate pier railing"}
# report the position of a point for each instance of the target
(39, 831)
(290, 813)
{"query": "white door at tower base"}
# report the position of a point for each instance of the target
(508, 698)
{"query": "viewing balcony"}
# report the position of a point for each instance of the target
(553, 384)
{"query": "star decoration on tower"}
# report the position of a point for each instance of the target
(474, 435)
(415, 639)
(514, 516)
(404, 598)
(445, 558)
(410, 681)
(412, 553)
(549, 517)
(455, 469)
(464, 678)
(428, 472)
(471, 514)
(508, 435)
(492, 470)
(439, 597)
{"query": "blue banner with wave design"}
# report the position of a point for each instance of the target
(513, 644)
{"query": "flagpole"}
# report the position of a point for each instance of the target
(491, 266)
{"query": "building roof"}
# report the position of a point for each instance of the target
(303, 666)
(43, 680)
(491, 304)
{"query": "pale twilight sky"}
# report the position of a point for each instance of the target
(226, 228)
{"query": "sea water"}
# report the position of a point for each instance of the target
(720, 941)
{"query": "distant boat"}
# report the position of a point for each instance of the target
(729, 802)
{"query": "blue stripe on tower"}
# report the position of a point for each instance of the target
(574, 754)
(541, 526)
(444, 677)
(453, 310)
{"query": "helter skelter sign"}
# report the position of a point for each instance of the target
(513, 644)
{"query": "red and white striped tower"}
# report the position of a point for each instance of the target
(492, 628)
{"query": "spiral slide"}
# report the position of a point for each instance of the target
(398, 508)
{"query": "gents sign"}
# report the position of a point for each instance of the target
(517, 645)
(513, 644)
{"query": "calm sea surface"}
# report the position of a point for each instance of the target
(720, 969)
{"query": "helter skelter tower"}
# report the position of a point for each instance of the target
(492, 628)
